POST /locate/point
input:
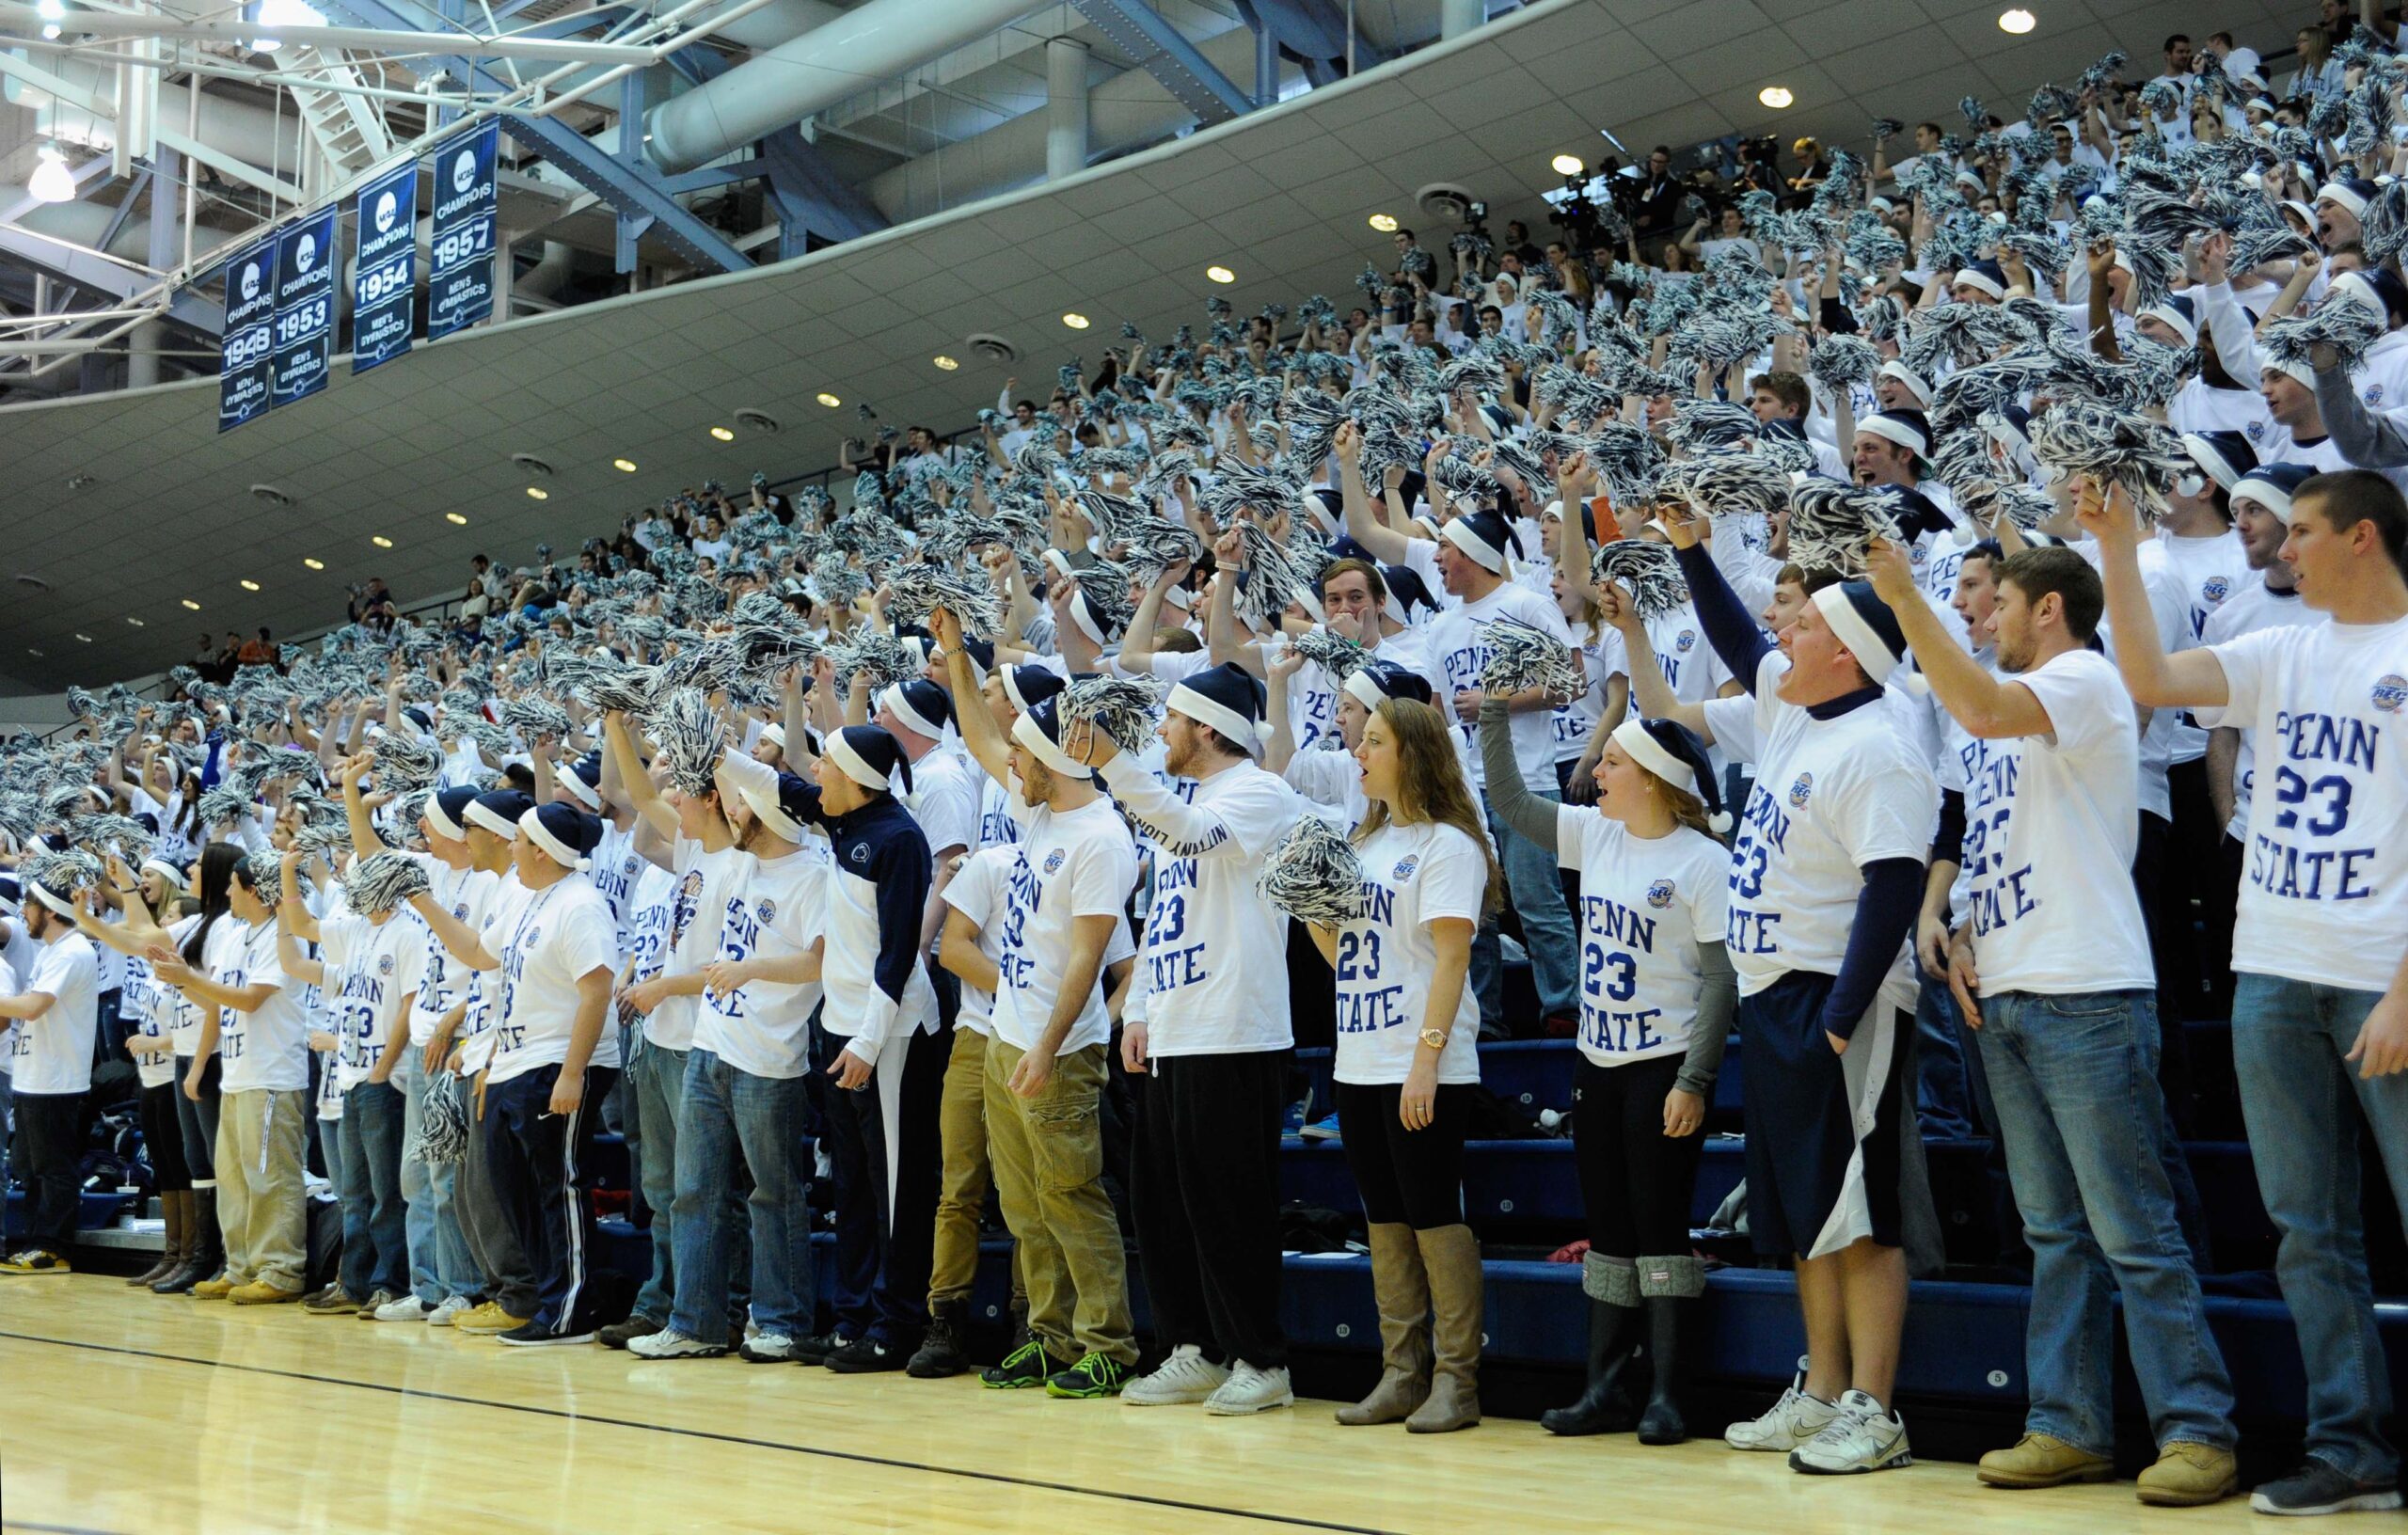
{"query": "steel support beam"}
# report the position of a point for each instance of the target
(1314, 34)
(1163, 51)
(813, 202)
(99, 274)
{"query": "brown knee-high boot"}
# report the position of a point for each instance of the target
(1403, 1289)
(173, 1206)
(1450, 1256)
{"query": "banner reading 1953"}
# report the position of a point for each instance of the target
(384, 268)
(304, 308)
(460, 288)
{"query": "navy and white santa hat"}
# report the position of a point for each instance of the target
(1376, 680)
(1676, 755)
(784, 808)
(919, 706)
(2273, 486)
(499, 811)
(1910, 429)
(1983, 277)
(1227, 698)
(2380, 289)
(2351, 193)
(1915, 513)
(870, 756)
(1325, 506)
(1027, 683)
(1916, 384)
(2222, 456)
(1865, 626)
(1488, 538)
(564, 832)
(2010, 426)
(444, 811)
(417, 722)
(1039, 729)
(584, 779)
(1407, 591)
(2177, 313)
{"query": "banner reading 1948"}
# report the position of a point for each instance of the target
(246, 355)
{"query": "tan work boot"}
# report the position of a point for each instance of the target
(1402, 1290)
(2187, 1475)
(214, 1289)
(1450, 1257)
(259, 1293)
(2042, 1460)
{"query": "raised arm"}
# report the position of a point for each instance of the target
(643, 795)
(1384, 544)
(1650, 694)
(978, 732)
(1508, 796)
(2192, 678)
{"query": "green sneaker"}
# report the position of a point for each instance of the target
(1026, 1366)
(1096, 1375)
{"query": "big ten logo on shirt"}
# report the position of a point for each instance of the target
(739, 938)
(2319, 762)
(1763, 834)
(1359, 956)
(615, 878)
(1612, 938)
(1997, 893)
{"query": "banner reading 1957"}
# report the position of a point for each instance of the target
(304, 308)
(384, 268)
(460, 287)
(246, 356)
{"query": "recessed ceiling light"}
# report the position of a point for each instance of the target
(313, 564)
(723, 434)
(1384, 223)
(31, 651)
(534, 493)
(458, 521)
(86, 638)
(249, 585)
(1775, 96)
(944, 362)
(625, 466)
(194, 605)
(138, 624)
(2018, 21)
(1567, 164)
(828, 400)
(1075, 320)
(380, 540)
(1220, 274)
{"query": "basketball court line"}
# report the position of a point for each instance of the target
(855, 1457)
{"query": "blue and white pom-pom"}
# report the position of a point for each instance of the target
(917, 590)
(2349, 328)
(874, 655)
(1832, 526)
(1331, 652)
(403, 764)
(382, 882)
(1521, 658)
(2110, 448)
(1123, 709)
(1729, 484)
(691, 736)
(1838, 361)
(442, 1138)
(1314, 876)
(534, 717)
(1649, 572)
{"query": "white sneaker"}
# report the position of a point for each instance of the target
(668, 1343)
(1186, 1376)
(408, 1309)
(1863, 1438)
(449, 1309)
(1794, 1419)
(1250, 1390)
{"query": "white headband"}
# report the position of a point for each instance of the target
(1871, 651)
(554, 848)
(441, 821)
(1458, 533)
(1028, 734)
(1359, 687)
(1912, 380)
(1898, 432)
(770, 812)
(588, 795)
(64, 908)
(1649, 752)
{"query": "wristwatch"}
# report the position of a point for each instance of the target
(1434, 1039)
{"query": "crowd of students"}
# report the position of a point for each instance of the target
(1866, 640)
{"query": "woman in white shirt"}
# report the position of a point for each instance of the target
(148, 1010)
(1656, 995)
(1408, 1032)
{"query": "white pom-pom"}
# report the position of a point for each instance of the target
(1521, 658)
(1314, 876)
(1123, 708)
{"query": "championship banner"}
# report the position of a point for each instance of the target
(247, 360)
(384, 268)
(460, 288)
(304, 308)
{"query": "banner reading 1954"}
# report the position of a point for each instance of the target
(384, 268)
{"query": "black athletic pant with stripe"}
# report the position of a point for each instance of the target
(540, 1165)
(1204, 1188)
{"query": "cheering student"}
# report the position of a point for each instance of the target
(2313, 1020)
(198, 1069)
(2051, 967)
(1656, 1000)
(1826, 875)
(743, 1093)
(374, 967)
(1067, 894)
(1408, 1058)
(56, 1011)
(151, 1011)
(1207, 1028)
(254, 1020)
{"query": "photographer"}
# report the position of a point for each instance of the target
(1656, 210)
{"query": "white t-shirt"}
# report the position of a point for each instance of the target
(2324, 887)
(1603, 658)
(152, 1008)
(53, 1054)
(442, 980)
(554, 937)
(1646, 903)
(1332, 780)
(615, 869)
(774, 909)
(648, 921)
(2205, 572)
(481, 990)
(1207, 984)
(2051, 826)
(1413, 875)
(1459, 651)
(696, 907)
(1830, 796)
(1078, 864)
(268, 1047)
(976, 891)
(371, 969)
(2256, 606)
(944, 801)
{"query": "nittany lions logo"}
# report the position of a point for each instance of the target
(766, 910)
(464, 171)
(1686, 643)
(1405, 868)
(2215, 588)
(2390, 692)
(1053, 861)
(384, 964)
(860, 853)
(385, 211)
(250, 282)
(1800, 790)
(1659, 894)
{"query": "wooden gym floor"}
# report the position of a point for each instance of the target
(131, 1414)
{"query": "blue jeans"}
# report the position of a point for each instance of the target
(659, 1078)
(375, 1226)
(727, 1114)
(2287, 1042)
(1537, 891)
(441, 1264)
(2074, 1080)
(1943, 1099)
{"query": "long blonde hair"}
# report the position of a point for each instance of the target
(1430, 785)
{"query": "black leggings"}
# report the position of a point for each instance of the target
(1636, 1181)
(198, 1122)
(1407, 1177)
(163, 1136)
